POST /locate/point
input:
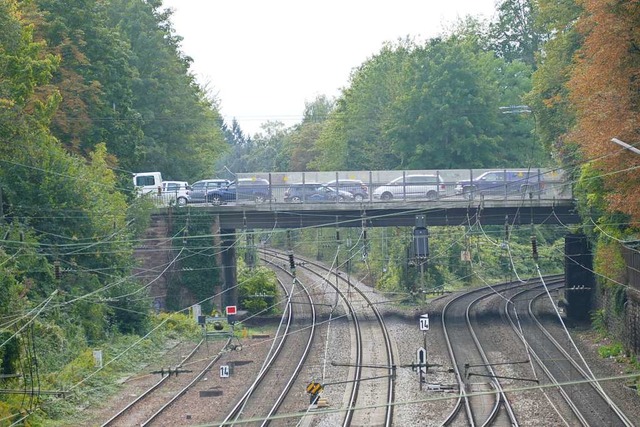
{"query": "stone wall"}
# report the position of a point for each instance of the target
(152, 256)
(620, 305)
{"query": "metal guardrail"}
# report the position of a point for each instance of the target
(392, 186)
(412, 185)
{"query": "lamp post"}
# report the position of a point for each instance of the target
(515, 109)
(625, 145)
(523, 109)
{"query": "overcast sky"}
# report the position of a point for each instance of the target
(263, 59)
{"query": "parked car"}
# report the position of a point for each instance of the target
(502, 182)
(199, 189)
(412, 187)
(314, 193)
(356, 187)
(177, 191)
(257, 190)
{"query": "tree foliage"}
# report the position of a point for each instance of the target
(514, 36)
(431, 106)
(257, 289)
(125, 83)
(549, 97)
(605, 89)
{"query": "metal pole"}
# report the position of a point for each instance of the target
(426, 355)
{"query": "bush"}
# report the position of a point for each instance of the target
(610, 350)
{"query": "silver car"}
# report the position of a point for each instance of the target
(428, 187)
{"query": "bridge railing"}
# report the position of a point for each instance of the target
(408, 185)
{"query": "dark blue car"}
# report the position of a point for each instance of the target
(503, 183)
(245, 189)
(315, 193)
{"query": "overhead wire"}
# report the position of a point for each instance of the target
(93, 244)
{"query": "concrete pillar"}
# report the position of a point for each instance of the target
(229, 268)
(579, 278)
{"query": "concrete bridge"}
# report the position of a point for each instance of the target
(461, 198)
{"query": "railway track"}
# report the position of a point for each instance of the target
(370, 391)
(275, 379)
(570, 387)
(365, 379)
(480, 402)
(144, 409)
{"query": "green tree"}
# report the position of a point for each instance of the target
(435, 106)
(515, 36)
(181, 123)
(449, 115)
(303, 140)
(355, 133)
(94, 78)
(549, 94)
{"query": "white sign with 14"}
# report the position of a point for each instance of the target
(224, 371)
(424, 322)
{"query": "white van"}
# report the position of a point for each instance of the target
(148, 182)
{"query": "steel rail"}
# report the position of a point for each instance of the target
(353, 396)
(150, 390)
(495, 381)
(539, 361)
(388, 347)
(197, 378)
(592, 381)
(304, 357)
(463, 395)
(463, 399)
(235, 412)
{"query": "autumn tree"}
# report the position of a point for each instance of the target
(605, 90)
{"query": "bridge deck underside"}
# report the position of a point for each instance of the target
(300, 216)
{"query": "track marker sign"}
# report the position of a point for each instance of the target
(424, 322)
(231, 309)
(224, 371)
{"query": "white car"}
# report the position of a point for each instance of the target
(428, 187)
(176, 190)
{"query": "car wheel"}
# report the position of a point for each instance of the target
(295, 199)
(386, 196)
(259, 198)
(358, 197)
(216, 199)
(432, 195)
(182, 201)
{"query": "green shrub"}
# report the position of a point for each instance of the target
(610, 350)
